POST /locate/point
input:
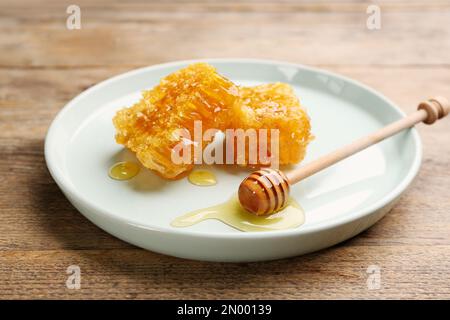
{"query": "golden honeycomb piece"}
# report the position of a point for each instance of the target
(275, 106)
(149, 128)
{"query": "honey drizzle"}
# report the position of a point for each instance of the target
(202, 178)
(232, 214)
(124, 170)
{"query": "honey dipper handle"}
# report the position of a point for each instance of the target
(428, 112)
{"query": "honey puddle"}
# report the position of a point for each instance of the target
(229, 212)
(232, 214)
(124, 170)
(202, 178)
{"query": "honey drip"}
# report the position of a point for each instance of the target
(124, 170)
(232, 214)
(202, 178)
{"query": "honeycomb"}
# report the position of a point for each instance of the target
(275, 106)
(149, 128)
(198, 92)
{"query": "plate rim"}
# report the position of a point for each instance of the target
(70, 191)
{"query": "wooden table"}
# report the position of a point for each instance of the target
(43, 65)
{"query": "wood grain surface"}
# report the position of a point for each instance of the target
(43, 65)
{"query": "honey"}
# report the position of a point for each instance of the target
(151, 127)
(232, 214)
(275, 106)
(124, 170)
(202, 178)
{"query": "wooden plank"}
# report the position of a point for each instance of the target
(43, 65)
(143, 33)
(336, 273)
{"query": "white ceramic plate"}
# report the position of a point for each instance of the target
(339, 202)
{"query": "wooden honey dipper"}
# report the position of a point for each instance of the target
(266, 191)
